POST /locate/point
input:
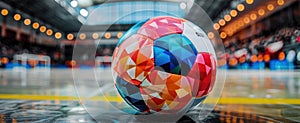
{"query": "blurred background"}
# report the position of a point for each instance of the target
(261, 40)
(256, 34)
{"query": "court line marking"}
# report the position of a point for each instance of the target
(118, 99)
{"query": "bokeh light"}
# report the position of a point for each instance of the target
(233, 13)
(70, 36)
(95, 36)
(27, 22)
(82, 36)
(58, 35)
(43, 28)
(261, 12)
(240, 7)
(227, 18)
(17, 17)
(49, 32)
(107, 35)
(270, 7)
(35, 25)
(216, 26)
(4, 12)
(222, 22)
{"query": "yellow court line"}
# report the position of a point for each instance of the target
(295, 101)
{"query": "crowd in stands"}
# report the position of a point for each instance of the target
(10, 47)
(257, 43)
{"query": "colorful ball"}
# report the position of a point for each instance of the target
(164, 64)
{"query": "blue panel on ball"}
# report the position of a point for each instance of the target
(182, 51)
(165, 61)
(131, 94)
(133, 30)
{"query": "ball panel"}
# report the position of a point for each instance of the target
(161, 26)
(133, 30)
(203, 74)
(134, 59)
(165, 61)
(198, 37)
(131, 94)
(178, 46)
(167, 92)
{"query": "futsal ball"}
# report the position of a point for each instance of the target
(164, 64)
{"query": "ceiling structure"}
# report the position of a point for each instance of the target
(48, 11)
(53, 13)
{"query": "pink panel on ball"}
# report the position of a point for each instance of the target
(161, 26)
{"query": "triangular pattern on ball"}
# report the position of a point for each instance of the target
(172, 91)
(202, 75)
(161, 26)
(131, 94)
(174, 54)
(134, 59)
(162, 65)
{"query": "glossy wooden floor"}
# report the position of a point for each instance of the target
(254, 96)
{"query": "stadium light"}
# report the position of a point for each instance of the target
(227, 18)
(246, 20)
(107, 35)
(82, 36)
(49, 32)
(223, 35)
(84, 12)
(70, 36)
(233, 13)
(35, 25)
(222, 22)
(210, 35)
(240, 7)
(74, 3)
(17, 17)
(253, 16)
(43, 28)
(261, 12)
(280, 2)
(58, 35)
(270, 7)
(249, 1)
(216, 26)
(183, 5)
(4, 12)
(120, 34)
(27, 22)
(95, 36)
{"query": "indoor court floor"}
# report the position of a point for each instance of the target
(50, 96)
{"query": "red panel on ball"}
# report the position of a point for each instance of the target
(203, 74)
